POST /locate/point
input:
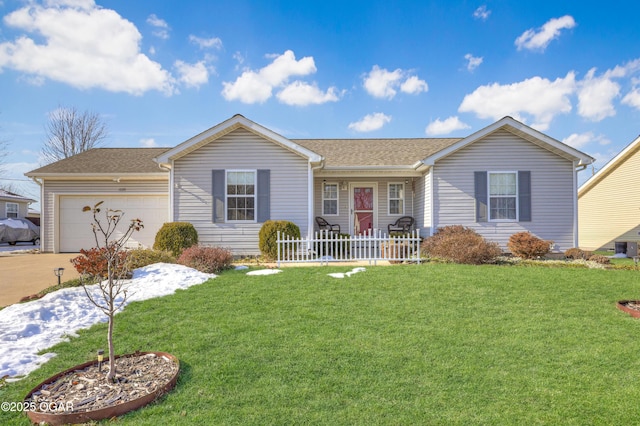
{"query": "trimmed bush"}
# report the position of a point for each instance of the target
(210, 260)
(599, 258)
(93, 263)
(460, 244)
(269, 235)
(576, 253)
(174, 237)
(143, 257)
(528, 246)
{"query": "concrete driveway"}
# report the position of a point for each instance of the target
(23, 273)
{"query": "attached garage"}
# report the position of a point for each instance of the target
(75, 230)
(126, 179)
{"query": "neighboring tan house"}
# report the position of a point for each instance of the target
(13, 205)
(609, 204)
(228, 180)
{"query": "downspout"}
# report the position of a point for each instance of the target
(310, 197)
(575, 202)
(431, 203)
(171, 193)
(576, 169)
(42, 214)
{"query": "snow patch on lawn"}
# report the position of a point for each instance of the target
(27, 328)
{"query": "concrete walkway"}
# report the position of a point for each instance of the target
(25, 274)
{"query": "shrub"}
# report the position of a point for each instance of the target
(337, 247)
(576, 253)
(174, 237)
(143, 257)
(460, 244)
(269, 235)
(210, 260)
(599, 258)
(93, 262)
(528, 246)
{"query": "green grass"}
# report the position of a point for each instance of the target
(408, 344)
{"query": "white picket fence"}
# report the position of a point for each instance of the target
(327, 247)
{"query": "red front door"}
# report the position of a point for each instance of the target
(362, 209)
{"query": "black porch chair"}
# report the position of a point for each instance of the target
(326, 226)
(403, 224)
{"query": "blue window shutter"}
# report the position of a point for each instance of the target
(218, 192)
(264, 195)
(524, 196)
(480, 183)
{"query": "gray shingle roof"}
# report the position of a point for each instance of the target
(336, 152)
(375, 152)
(106, 160)
(6, 195)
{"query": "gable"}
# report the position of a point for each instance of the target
(227, 127)
(522, 132)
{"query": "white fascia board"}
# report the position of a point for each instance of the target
(508, 122)
(100, 176)
(225, 127)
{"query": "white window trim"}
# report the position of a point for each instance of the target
(255, 195)
(489, 196)
(17, 212)
(337, 199)
(404, 204)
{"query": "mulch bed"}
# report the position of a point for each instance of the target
(88, 389)
(632, 304)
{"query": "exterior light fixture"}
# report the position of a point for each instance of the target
(100, 359)
(58, 272)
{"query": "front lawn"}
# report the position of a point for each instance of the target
(414, 344)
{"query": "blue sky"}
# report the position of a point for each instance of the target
(161, 72)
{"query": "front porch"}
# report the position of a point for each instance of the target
(357, 205)
(371, 246)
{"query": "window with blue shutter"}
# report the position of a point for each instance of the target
(241, 195)
(503, 196)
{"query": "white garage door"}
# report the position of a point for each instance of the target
(75, 225)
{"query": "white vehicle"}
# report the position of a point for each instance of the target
(14, 231)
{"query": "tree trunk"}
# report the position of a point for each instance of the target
(112, 356)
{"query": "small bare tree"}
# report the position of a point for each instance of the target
(113, 294)
(70, 132)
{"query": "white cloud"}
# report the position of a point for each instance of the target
(632, 98)
(579, 140)
(160, 25)
(148, 143)
(83, 45)
(472, 61)
(413, 85)
(370, 122)
(257, 86)
(482, 13)
(538, 97)
(300, 93)
(382, 83)
(206, 43)
(596, 95)
(444, 127)
(539, 39)
(192, 75)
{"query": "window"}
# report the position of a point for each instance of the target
(503, 196)
(12, 210)
(241, 196)
(330, 199)
(396, 198)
